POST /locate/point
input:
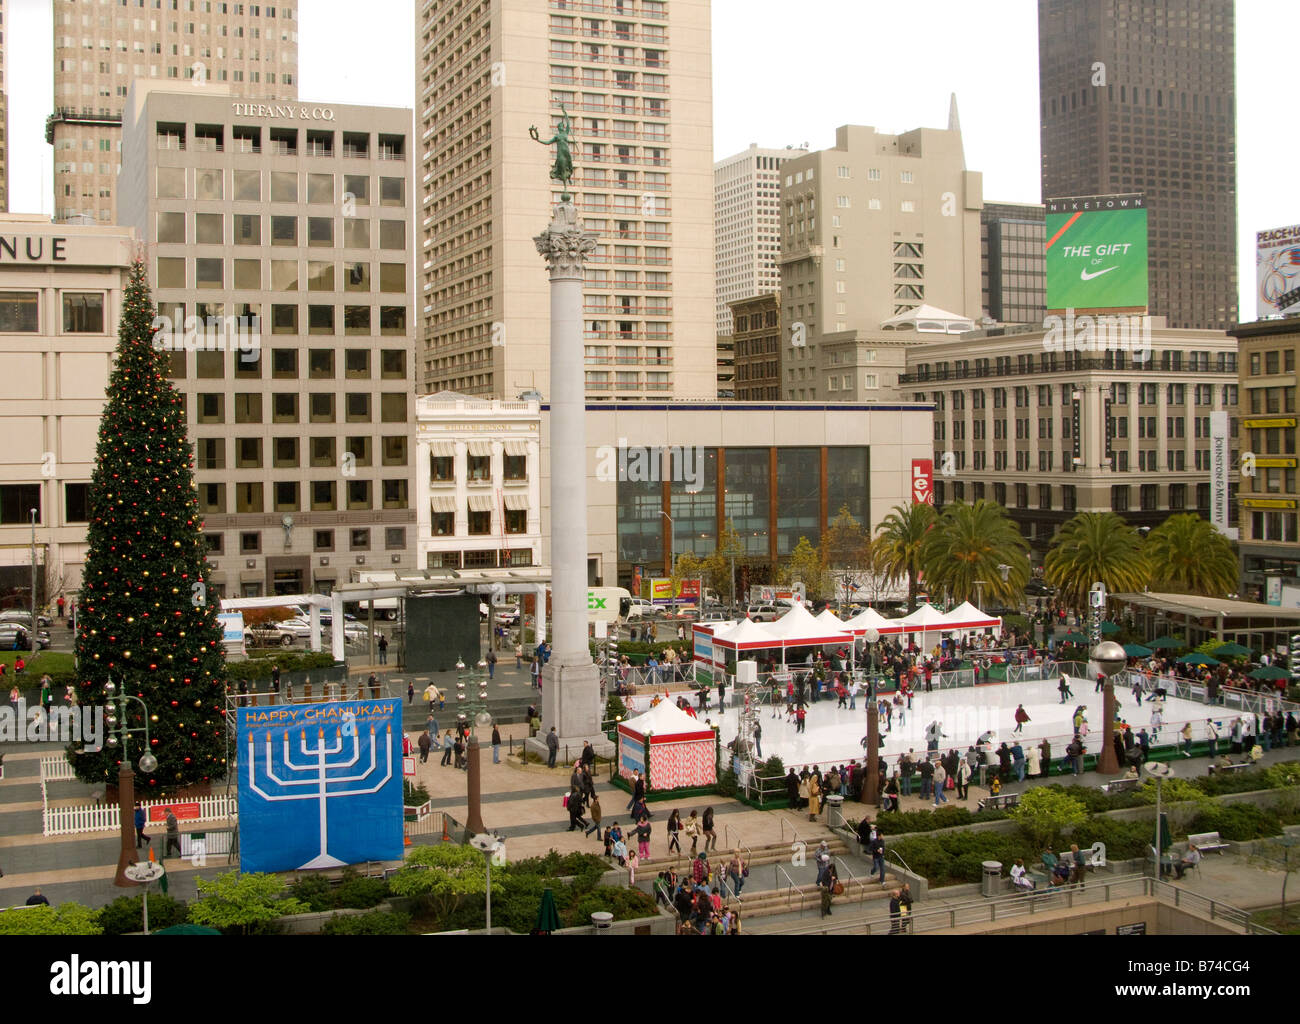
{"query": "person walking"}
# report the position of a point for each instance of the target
(876, 847)
(674, 827)
(140, 838)
(535, 672)
(710, 835)
(643, 838)
(496, 744)
(410, 693)
(173, 834)
(491, 663)
(1018, 761)
(593, 808)
(1022, 716)
(574, 806)
(383, 649)
(552, 747)
(963, 779)
(737, 872)
(926, 769)
(940, 778)
(447, 746)
(425, 742)
(638, 790)
(692, 831)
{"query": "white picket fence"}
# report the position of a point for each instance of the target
(55, 768)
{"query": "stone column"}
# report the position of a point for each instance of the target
(570, 680)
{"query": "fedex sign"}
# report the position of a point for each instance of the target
(922, 481)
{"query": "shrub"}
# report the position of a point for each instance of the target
(1237, 822)
(65, 919)
(126, 914)
(726, 785)
(1233, 782)
(615, 708)
(1285, 773)
(377, 922)
(356, 892)
(622, 903)
(1044, 813)
(414, 795)
(1123, 839)
(245, 904)
(1173, 791)
(315, 891)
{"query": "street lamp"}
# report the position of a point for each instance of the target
(35, 641)
(120, 734)
(1159, 771)
(488, 845)
(672, 542)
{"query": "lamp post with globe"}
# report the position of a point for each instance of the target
(1109, 658)
(119, 734)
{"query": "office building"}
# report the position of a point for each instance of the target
(60, 300)
(747, 226)
(1269, 501)
(662, 479)
(635, 80)
(1047, 431)
(100, 49)
(1013, 268)
(4, 112)
(756, 339)
(874, 228)
(297, 216)
(1139, 97)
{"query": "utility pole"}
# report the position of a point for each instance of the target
(33, 636)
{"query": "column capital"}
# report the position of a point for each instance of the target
(564, 244)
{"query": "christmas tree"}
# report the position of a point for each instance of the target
(144, 620)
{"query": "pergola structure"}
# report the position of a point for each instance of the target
(1260, 627)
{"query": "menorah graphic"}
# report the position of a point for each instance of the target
(316, 779)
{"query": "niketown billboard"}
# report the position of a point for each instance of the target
(1097, 253)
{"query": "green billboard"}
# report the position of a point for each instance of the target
(1097, 253)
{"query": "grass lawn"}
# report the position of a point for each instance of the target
(1272, 918)
(44, 661)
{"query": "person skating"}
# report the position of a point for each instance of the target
(1063, 687)
(1022, 716)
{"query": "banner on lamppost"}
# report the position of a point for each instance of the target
(923, 481)
(1219, 459)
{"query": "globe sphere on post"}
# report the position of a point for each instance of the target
(1109, 657)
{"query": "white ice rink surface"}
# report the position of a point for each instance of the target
(833, 735)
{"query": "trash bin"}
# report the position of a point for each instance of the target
(834, 810)
(991, 879)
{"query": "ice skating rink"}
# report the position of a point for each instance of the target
(833, 735)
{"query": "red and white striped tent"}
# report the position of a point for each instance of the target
(682, 750)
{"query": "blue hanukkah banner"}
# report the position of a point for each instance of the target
(320, 785)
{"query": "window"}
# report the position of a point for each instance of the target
(392, 191)
(395, 538)
(284, 231)
(250, 543)
(171, 182)
(1119, 498)
(359, 498)
(392, 277)
(480, 523)
(320, 231)
(323, 540)
(392, 234)
(442, 468)
(322, 495)
(208, 184)
(479, 467)
(320, 188)
(208, 273)
(248, 229)
(284, 186)
(171, 227)
(359, 540)
(321, 410)
(171, 272)
(83, 313)
(394, 494)
(392, 407)
(248, 186)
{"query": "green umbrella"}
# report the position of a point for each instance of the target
(1109, 628)
(1165, 643)
(186, 929)
(1137, 651)
(1075, 638)
(548, 918)
(1196, 658)
(1232, 650)
(1270, 672)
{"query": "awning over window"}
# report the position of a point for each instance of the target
(517, 501)
(442, 449)
(480, 448)
(443, 503)
(516, 447)
(480, 503)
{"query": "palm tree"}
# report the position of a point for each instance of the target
(899, 538)
(1189, 556)
(1092, 547)
(976, 543)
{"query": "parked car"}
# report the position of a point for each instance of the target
(505, 614)
(15, 636)
(640, 607)
(763, 612)
(1038, 588)
(714, 616)
(24, 618)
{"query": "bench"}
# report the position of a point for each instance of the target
(1231, 767)
(1002, 801)
(1121, 786)
(1207, 841)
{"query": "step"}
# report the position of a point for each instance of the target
(771, 902)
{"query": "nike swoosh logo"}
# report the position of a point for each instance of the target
(1085, 276)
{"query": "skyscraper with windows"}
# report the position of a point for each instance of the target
(289, 224)
(1139, 96)
(634, 78)
(1013, 264)
(4, 113)
(99, 49)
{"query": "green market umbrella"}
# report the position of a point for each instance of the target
(1198, 659)
(186, 929)
(1109, 629)
(1165, 643)
(1232, 650)
(1137, 651)
(1270, 672)
(548, 918)
(1075, 638)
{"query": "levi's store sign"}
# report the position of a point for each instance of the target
(922, 481)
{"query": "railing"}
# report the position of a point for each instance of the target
(791, 890)
(56, 768)
(62, 821)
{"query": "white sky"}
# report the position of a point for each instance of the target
(785, 74)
